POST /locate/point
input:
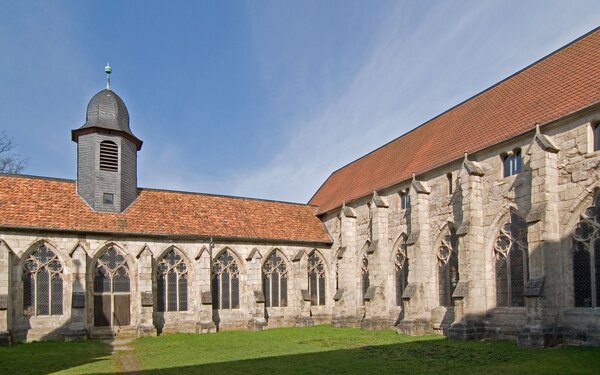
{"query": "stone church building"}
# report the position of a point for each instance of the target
(482, 222)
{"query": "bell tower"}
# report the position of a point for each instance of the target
(106, 153)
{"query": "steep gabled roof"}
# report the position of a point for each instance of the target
(42, 203)
(557, 85)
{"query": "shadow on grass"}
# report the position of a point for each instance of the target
(421, 357)
(49, 357)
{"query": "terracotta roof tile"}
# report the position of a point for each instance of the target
(36, 202)
(559, 84)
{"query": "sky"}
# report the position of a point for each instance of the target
(259, 98)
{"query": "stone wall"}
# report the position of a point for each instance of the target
(558, 180)
(79, 254)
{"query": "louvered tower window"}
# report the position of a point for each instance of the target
(172, 283)
(275, 281)
(109, 156)
(586, 258)
(448, 276)
(510, 258)
(42, 283)
(226, 282)
(316, 279)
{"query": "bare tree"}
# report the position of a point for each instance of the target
(9, 162)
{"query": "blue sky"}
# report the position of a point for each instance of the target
(259, 98)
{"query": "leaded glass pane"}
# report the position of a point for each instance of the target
(274, 289)
(183, 292)
(235, 293)
(267, 291)
(216, 301)
(225, 281)
(160, 293)
(102, 281)
(582, 279)
(172, 291)
(43, 292)
(121, 281)
(57, 295)
(501, 281)
(448, 272)
(444, 286)
(28, 294)
(517, 279)
(283, 292)
(322, 290)
(313, 288)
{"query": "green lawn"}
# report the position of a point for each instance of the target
(310, 350)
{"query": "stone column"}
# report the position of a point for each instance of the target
(542, 294)
(202, 280)
(146, 319)
(5, 305)
(257, 320)
(419, 295)
(77, 328)
(346, 311)
(469, 295)
(376, 314)
(299, 273)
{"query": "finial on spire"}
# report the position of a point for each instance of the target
(107, 70)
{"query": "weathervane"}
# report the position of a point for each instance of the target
(107, 70)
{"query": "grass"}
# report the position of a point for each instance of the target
(309, 350)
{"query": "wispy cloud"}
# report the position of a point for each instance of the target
(424, 61)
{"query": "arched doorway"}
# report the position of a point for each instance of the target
(112, 290)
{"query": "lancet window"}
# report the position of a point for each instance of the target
(510, 260)
(586, 258)
(316, 279)
(42, 283)
(275, 280)
(447, 254)
(172, 282)
(226, 282)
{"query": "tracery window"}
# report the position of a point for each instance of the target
(275, 279)
(401, 270)
(364, 270)
(448, 276)
(597, 137)
(112, 290)
(586, 258)
(226, 282)
(316, 279)
(172, 283)
(42, 283)
(510, 259)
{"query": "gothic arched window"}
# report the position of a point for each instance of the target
(316, 279)
(226, 282)
(109, 156)
(172, 282)
(510, 258)
(448, 276)
(401, 268)
(112, 290)
(364, 270)
(42, 283)
(586, 258)
(275, 278)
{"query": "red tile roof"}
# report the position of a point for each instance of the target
(559, 84)
(35, 202)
